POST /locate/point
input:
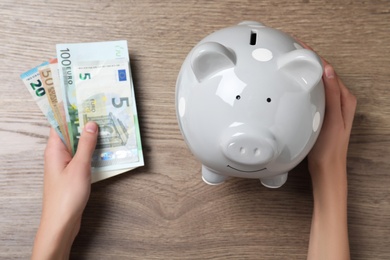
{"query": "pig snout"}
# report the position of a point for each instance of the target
(248, 149)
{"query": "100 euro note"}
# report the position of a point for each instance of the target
(97, 86)
(34, 84)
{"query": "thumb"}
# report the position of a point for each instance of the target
(86, 144)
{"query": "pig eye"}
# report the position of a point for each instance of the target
(269, 100)
(238, 97)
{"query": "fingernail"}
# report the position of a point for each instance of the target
(329, 72)
(91, 127)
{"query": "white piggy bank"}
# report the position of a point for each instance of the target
(250, 103)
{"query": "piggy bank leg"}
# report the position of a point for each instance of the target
(211, 177)
(274, 182)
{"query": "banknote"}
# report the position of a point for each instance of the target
(68, 55)
(45, 73)
(33, 82)
(97, 86)
(104, 95)
(57, 87)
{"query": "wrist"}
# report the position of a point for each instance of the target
(328, 173)
(329, 183)
(54, 240)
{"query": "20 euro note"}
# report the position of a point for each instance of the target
(34, 84)
(93, 91)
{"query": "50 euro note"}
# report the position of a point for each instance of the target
(97, 86)
(48, 84)
(34, 84)
(60, 103)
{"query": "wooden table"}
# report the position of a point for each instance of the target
(164, 210)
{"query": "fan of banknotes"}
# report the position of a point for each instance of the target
(91, 82)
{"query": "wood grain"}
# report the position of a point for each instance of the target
(163, 210)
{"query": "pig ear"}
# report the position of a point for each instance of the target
(209, 58)
(302, 66)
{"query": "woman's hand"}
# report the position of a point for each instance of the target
(67, 185)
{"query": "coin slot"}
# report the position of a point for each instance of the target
(253, 39)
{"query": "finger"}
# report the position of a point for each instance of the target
(332, 93)
(56, 154)
(324, 62)
(348, 105)
(54, 140)
(304, 44)
(86, 145)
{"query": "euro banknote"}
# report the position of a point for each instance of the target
(60, 104)
(34, 84)
(46, 75)
(91, 82)
(97, 86)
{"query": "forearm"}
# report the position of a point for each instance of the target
(329, 229)
(53, 242)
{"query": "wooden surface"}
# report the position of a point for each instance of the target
(164, 210)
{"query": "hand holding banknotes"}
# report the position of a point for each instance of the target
(67, 185)
(91, 82)
(86, 87)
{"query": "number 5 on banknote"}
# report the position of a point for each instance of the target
(121, 102)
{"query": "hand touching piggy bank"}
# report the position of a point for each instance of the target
(250, 103)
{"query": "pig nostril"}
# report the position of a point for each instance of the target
(248, 150)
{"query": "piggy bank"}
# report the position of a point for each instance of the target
(250, 103)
